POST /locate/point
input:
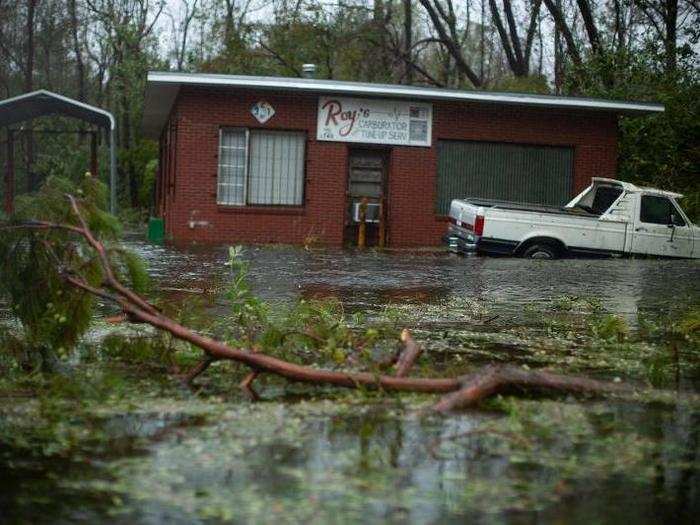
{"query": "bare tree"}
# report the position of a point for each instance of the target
(77, 50)
(517, 54)
(408, 40)
(564, 31)
(667, 18)
(444, 20)
(29, 86)
(180, 30)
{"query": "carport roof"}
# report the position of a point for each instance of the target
(162, 89)
(42, 102)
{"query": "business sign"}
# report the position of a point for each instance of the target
(374, 121)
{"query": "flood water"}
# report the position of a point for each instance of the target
(370, 279)
(321, 456)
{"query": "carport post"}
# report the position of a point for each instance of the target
(93, 153)
(113, 169)
(10, 174)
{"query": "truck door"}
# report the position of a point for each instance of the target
(660, 229)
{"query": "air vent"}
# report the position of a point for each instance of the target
(371, 215)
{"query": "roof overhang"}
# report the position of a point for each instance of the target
(42, 102)
(162, 89)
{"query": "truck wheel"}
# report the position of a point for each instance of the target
(540, 251)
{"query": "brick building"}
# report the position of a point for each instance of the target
(264, 159)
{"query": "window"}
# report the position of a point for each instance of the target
(232, 166)
(604, 198)
(659, 210)
(261, 167)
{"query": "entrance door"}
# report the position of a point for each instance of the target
(367, 169)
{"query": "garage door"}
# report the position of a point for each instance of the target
(512, 172)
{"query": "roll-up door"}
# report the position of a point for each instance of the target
(511, 172)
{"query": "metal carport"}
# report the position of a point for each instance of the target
(42, 102)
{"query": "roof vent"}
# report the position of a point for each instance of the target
(308, 70)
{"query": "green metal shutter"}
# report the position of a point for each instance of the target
(512, 172)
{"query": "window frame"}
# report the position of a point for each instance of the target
(222, 130)
(673, 210)
(246, 205)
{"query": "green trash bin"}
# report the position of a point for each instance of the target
(156, 230)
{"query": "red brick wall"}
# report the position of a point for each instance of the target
(199, 113)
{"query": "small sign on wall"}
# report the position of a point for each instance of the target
(372, 121)
(262, 111)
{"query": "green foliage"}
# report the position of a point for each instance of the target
(34, 262)
(610, 328)
(137, 349)
(338, 41)
(568, 303)
(248, 311)
(661, 150)
(531, 84)
(689, 324)
(305, 331)
(133, 270)
(140, 162)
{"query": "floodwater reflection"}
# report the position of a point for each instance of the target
(327, 457)
(324, 462)
(370, 279)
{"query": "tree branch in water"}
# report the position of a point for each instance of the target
(461, 392)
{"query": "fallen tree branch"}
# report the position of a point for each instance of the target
(462, 392)
(197, 370)
(411, 352)
(494, 379)
(247, 385)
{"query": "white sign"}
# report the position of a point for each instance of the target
(374, 121)
(262, 111)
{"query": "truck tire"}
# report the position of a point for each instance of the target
(540, 250)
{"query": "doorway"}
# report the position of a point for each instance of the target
(367, 183)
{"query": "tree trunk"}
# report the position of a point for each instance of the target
(511, 57)
(451, 46)
(31, 181)
(670, 44)
(558, 60)
(408, 41)
(79, 65)
(588, 22)
(482, 41)
(554, 7)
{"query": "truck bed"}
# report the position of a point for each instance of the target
(523, 206)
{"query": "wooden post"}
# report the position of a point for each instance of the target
(10, 174)
(382, 225)
(362, 228)
(93, 153)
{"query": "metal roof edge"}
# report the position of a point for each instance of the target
(110, 117)
(416, 92)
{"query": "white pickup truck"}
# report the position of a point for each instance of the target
(609, 218)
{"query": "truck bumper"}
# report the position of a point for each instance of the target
(461, 241)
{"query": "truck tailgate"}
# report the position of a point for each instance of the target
(464, 214)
